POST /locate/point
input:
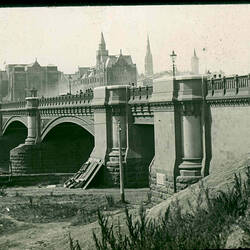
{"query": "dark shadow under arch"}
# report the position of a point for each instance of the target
(65, 148)
(18, 119)
(14, 134)
(85, 122)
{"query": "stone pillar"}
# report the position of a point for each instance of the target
(190, 100)
(101, 123)
(118, 117)
(26, 158)
(192, 141)
(33, 120)
(167, 139)
(118, 99)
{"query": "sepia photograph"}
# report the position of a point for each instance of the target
(125, 127)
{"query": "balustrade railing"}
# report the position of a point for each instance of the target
(228, 84)
(13, 105)
(66, 100)
(141, 93)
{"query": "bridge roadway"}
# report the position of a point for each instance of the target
(176, 123)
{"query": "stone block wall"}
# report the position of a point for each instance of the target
(25, 159)
(230, 133)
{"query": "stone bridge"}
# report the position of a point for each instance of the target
(172, 134)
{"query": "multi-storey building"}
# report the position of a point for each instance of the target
(109, 70)
(18, 79)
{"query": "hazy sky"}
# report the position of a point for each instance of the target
(68, 36)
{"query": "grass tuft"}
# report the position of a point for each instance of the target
(3, 191)
(110, 200)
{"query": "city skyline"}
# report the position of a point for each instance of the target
(68, 36)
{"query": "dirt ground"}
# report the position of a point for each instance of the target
(42, 217)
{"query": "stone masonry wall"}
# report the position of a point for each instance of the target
(230, 133)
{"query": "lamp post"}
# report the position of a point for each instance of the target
(173, 57)
(70, 84)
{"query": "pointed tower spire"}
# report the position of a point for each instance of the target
(195, 53)
(102, 44)
(148, 60)
(195, 64)
(102, 53)
(102, 39)
(148, 46)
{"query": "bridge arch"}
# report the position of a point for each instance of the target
(12, 119)
(85, 123)
(66, 143)
(14, 133)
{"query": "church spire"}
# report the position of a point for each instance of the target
(195, 64)
(102, 53)
(102, 44)
(195, 53)
(148, 60)
(148, 46)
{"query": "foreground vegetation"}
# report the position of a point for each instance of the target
(205, 226)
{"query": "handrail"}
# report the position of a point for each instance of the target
(141, 93)
(226, 83)
(66, 99)
(13, 105)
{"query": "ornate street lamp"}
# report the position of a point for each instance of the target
(33, 92)
(173, 57)
(70, 84)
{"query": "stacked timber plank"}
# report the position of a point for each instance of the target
(85, 174)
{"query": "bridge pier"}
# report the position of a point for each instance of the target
(118, 99)
(33, 120)
(110, 106)
(26, 158)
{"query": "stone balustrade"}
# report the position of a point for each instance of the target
(85, 98)
(141, 94)
(13, 105)
(236, 86)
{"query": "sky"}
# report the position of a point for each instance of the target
(69, 36)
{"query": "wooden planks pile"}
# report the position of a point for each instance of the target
(85, 174)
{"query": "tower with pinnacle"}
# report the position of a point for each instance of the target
(101, 53)
(195, 64)
(148, 61)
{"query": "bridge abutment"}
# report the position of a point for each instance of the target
(177, 106)
(111, 110)
(167, 140)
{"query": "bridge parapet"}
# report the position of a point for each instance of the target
(140, 94)
(229, 87)
(67, 100)
(13, 105)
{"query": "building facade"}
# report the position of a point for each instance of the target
(18, 79)
(109, 70)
